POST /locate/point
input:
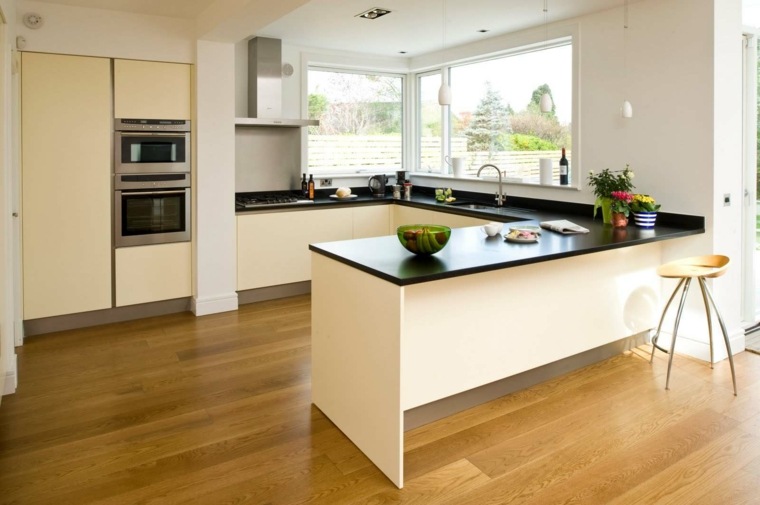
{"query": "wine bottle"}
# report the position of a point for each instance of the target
(311, 186)
(564, 169)
(304, 186)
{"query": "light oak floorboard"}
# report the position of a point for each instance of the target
(217, 409)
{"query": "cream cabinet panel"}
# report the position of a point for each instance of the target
(409, 215)
(273, 248)
(66, 195)
(151, 90)
(371, 221)
(152, 273)
(457, 221)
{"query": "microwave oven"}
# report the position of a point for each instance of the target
(151, 146)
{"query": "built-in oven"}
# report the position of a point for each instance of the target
(151, 208)
(151, 145)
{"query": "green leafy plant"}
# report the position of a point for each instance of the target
(607, 181)
(644, 203)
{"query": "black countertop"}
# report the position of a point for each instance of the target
(469, 250)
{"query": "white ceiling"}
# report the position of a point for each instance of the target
(414, 26)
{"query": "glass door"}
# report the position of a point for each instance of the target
(751, 242)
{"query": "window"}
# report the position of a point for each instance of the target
(360, 122)
(495, 117)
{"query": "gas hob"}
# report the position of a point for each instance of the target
(260, 198)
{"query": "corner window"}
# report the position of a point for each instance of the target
(360, 122)
(495, 116)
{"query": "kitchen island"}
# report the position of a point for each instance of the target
(393, 332)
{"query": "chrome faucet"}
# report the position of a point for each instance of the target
(500, 197)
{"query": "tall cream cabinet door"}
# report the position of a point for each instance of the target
(66, 171)
(151, 90)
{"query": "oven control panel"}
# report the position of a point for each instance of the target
(158, 125)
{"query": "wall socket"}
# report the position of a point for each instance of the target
(727, 200)
(325, 182)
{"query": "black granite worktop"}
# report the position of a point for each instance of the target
(470, 251)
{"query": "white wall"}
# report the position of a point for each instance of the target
(8, 246)
(113, 34)
(214, 233)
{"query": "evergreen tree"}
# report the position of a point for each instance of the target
(489, 121)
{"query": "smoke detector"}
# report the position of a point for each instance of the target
(33, 20)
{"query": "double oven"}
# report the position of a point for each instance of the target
(152, 190)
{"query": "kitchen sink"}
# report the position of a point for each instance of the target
(472, 205)
(487, 206)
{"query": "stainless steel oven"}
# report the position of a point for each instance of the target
(151, 145)
(151, 208)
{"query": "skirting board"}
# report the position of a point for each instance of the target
(445, 407)
(11, 378)
(214, 305)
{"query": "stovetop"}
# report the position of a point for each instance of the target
(259, 198)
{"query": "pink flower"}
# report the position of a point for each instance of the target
(622, 195)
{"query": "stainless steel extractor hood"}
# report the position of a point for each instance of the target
(265, 86)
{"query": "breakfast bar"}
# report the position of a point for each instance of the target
(392, 331)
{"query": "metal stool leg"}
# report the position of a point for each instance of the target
(702, 286)
(675, 330)
(723, 329)
(662, 318)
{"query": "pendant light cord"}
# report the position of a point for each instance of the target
(546, 21)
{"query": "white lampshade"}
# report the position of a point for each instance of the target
(546, 103)
(627, 109)
(444, 94)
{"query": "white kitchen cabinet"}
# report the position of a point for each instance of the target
(456, 220)
(152, 273)
(273, 248)
(152, 90)
(66, 190)
(371, 221)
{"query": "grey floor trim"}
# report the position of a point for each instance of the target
(106, 316)
(274, 292)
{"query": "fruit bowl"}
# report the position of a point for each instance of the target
(423, 239)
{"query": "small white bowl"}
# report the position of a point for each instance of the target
(492, 229)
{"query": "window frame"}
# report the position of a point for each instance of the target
(405, 107)
(500, 47)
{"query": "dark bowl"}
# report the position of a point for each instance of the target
(423, 239)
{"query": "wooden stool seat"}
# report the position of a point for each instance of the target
(697, 266)
(686, 269)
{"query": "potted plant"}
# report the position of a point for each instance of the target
(644, 209)
(604, 183)
(620, 208)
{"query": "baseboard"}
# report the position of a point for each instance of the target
(11, 378)
(699, 349)
(445, 407)
(105, 316)
(214, 304)
(274, 292)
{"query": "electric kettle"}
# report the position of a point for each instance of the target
(377, 185)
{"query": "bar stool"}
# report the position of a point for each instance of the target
(701, 267)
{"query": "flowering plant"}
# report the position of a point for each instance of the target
(621, 201)
(644, 203)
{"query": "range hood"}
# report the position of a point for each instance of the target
(265, 86)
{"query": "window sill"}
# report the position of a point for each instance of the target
(512, 181)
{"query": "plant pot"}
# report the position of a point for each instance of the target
(645, 219)
(619, 220)
(606, 205)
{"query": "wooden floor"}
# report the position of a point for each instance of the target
(216, 410)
